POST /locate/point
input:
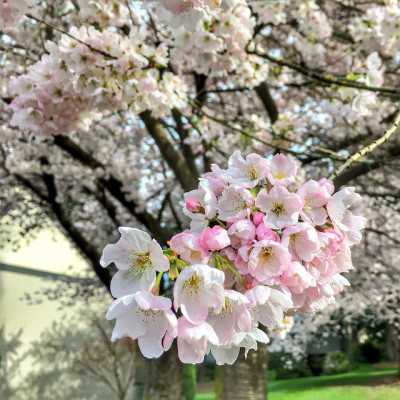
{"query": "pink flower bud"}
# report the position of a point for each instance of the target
(328, 184)
(214, 239)
(258, 218)
(193, 205)
(264, 233)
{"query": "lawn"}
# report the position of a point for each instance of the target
(366, 383)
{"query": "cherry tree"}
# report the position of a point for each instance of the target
(111, 110)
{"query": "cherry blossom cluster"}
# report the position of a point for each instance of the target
(11, 11)
(105, 12)
(352, 104)
(92, 72)
(219, 46)
(255, 252)
(270, 11)
(378, 25)
(187, 13)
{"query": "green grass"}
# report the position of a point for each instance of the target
(366, 383)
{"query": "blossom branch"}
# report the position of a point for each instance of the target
(264, 94)
(186, 177)
(103, 53)
(326, 78)
(368, 149)
(114, 186)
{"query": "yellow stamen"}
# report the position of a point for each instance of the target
(279, 208)
(139, 262)
(279, 174)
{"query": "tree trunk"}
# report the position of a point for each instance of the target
(164, 377)
(246, 379)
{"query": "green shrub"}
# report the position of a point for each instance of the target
(286, 367)
(355, 356)
(336, 363)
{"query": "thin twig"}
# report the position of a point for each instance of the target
(369, 148)
(327, 78)
(103, 53)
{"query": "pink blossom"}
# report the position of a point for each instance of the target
(241, 232)
(264, 233)
(342, 258)
(268, 259)
(268, 305)
(327, 184)
(321, 268)
(193, 340)
(315, 196)
(233, 317)
(258, 218)
(242, 259)
(281, 207)
(342, 218)
(246, 173)
(227, 354)
(282, 171)
(297, 278)
(216, 179)
(214, 239)
(205, 196)
(188, 247)
(198, 289)
(301, 240)
(145, 317)
(137, 258)
(235, 202)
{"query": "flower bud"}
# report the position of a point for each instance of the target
(193, 205)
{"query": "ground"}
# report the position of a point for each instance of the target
(377, 382)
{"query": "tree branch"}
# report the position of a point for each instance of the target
(89, 251)
(264, 94)
(186, 177)
(115, 187)
(327, 78)
(368, 149)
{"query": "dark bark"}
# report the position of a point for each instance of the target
(186, 149)
(186, 177)
(264, 94)
(89, 251)
(246, 379)
(115, 187)
(200, 82)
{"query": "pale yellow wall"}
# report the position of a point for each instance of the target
(43, 253)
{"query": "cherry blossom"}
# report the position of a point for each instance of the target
(137, 258)
(193, 340)
(301, 240)
(145, 317)
(282, 171)
(213, 239)
(188, 247)
(268, 259)
(280, 206)
(234, 203)
(198, 288)
(13, 10)
(338, 209)
(268, 305)
(246, 173)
